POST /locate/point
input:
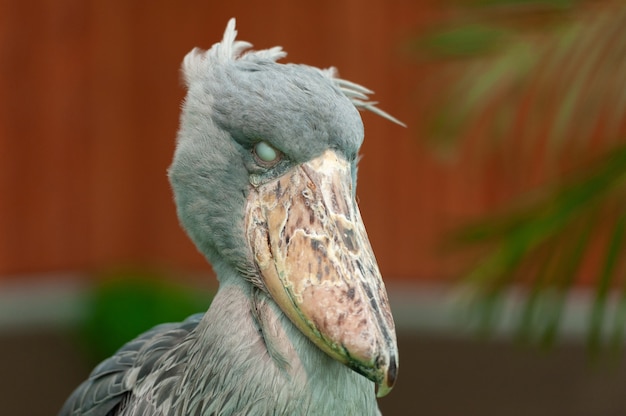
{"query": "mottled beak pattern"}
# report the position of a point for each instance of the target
(312, 251)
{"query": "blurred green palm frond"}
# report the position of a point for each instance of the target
(550, 100)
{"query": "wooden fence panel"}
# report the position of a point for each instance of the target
(89, 102)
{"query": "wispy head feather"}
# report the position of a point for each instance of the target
(198, 62)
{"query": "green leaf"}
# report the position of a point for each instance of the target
(463, 41)
(545, 243)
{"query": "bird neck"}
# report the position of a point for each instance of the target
(267, 365)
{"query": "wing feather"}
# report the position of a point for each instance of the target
(112, 381)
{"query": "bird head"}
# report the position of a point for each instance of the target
(264, 178)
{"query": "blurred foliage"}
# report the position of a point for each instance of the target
(128, 302)
(462, 41)
(542, 87)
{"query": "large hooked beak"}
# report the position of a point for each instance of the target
(310, 245)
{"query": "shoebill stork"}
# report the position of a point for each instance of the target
(264, 177)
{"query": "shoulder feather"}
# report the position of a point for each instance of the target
(113, 379)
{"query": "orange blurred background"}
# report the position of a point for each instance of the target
(90, 94)
(89, 102)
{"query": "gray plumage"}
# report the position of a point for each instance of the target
(244, 356)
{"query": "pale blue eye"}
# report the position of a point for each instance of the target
(265, 152)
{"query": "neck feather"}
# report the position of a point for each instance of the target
(262, 364)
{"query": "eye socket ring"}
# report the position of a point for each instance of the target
(266, 155)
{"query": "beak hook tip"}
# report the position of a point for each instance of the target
(383, 388)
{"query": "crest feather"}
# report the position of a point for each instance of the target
(198, 62)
